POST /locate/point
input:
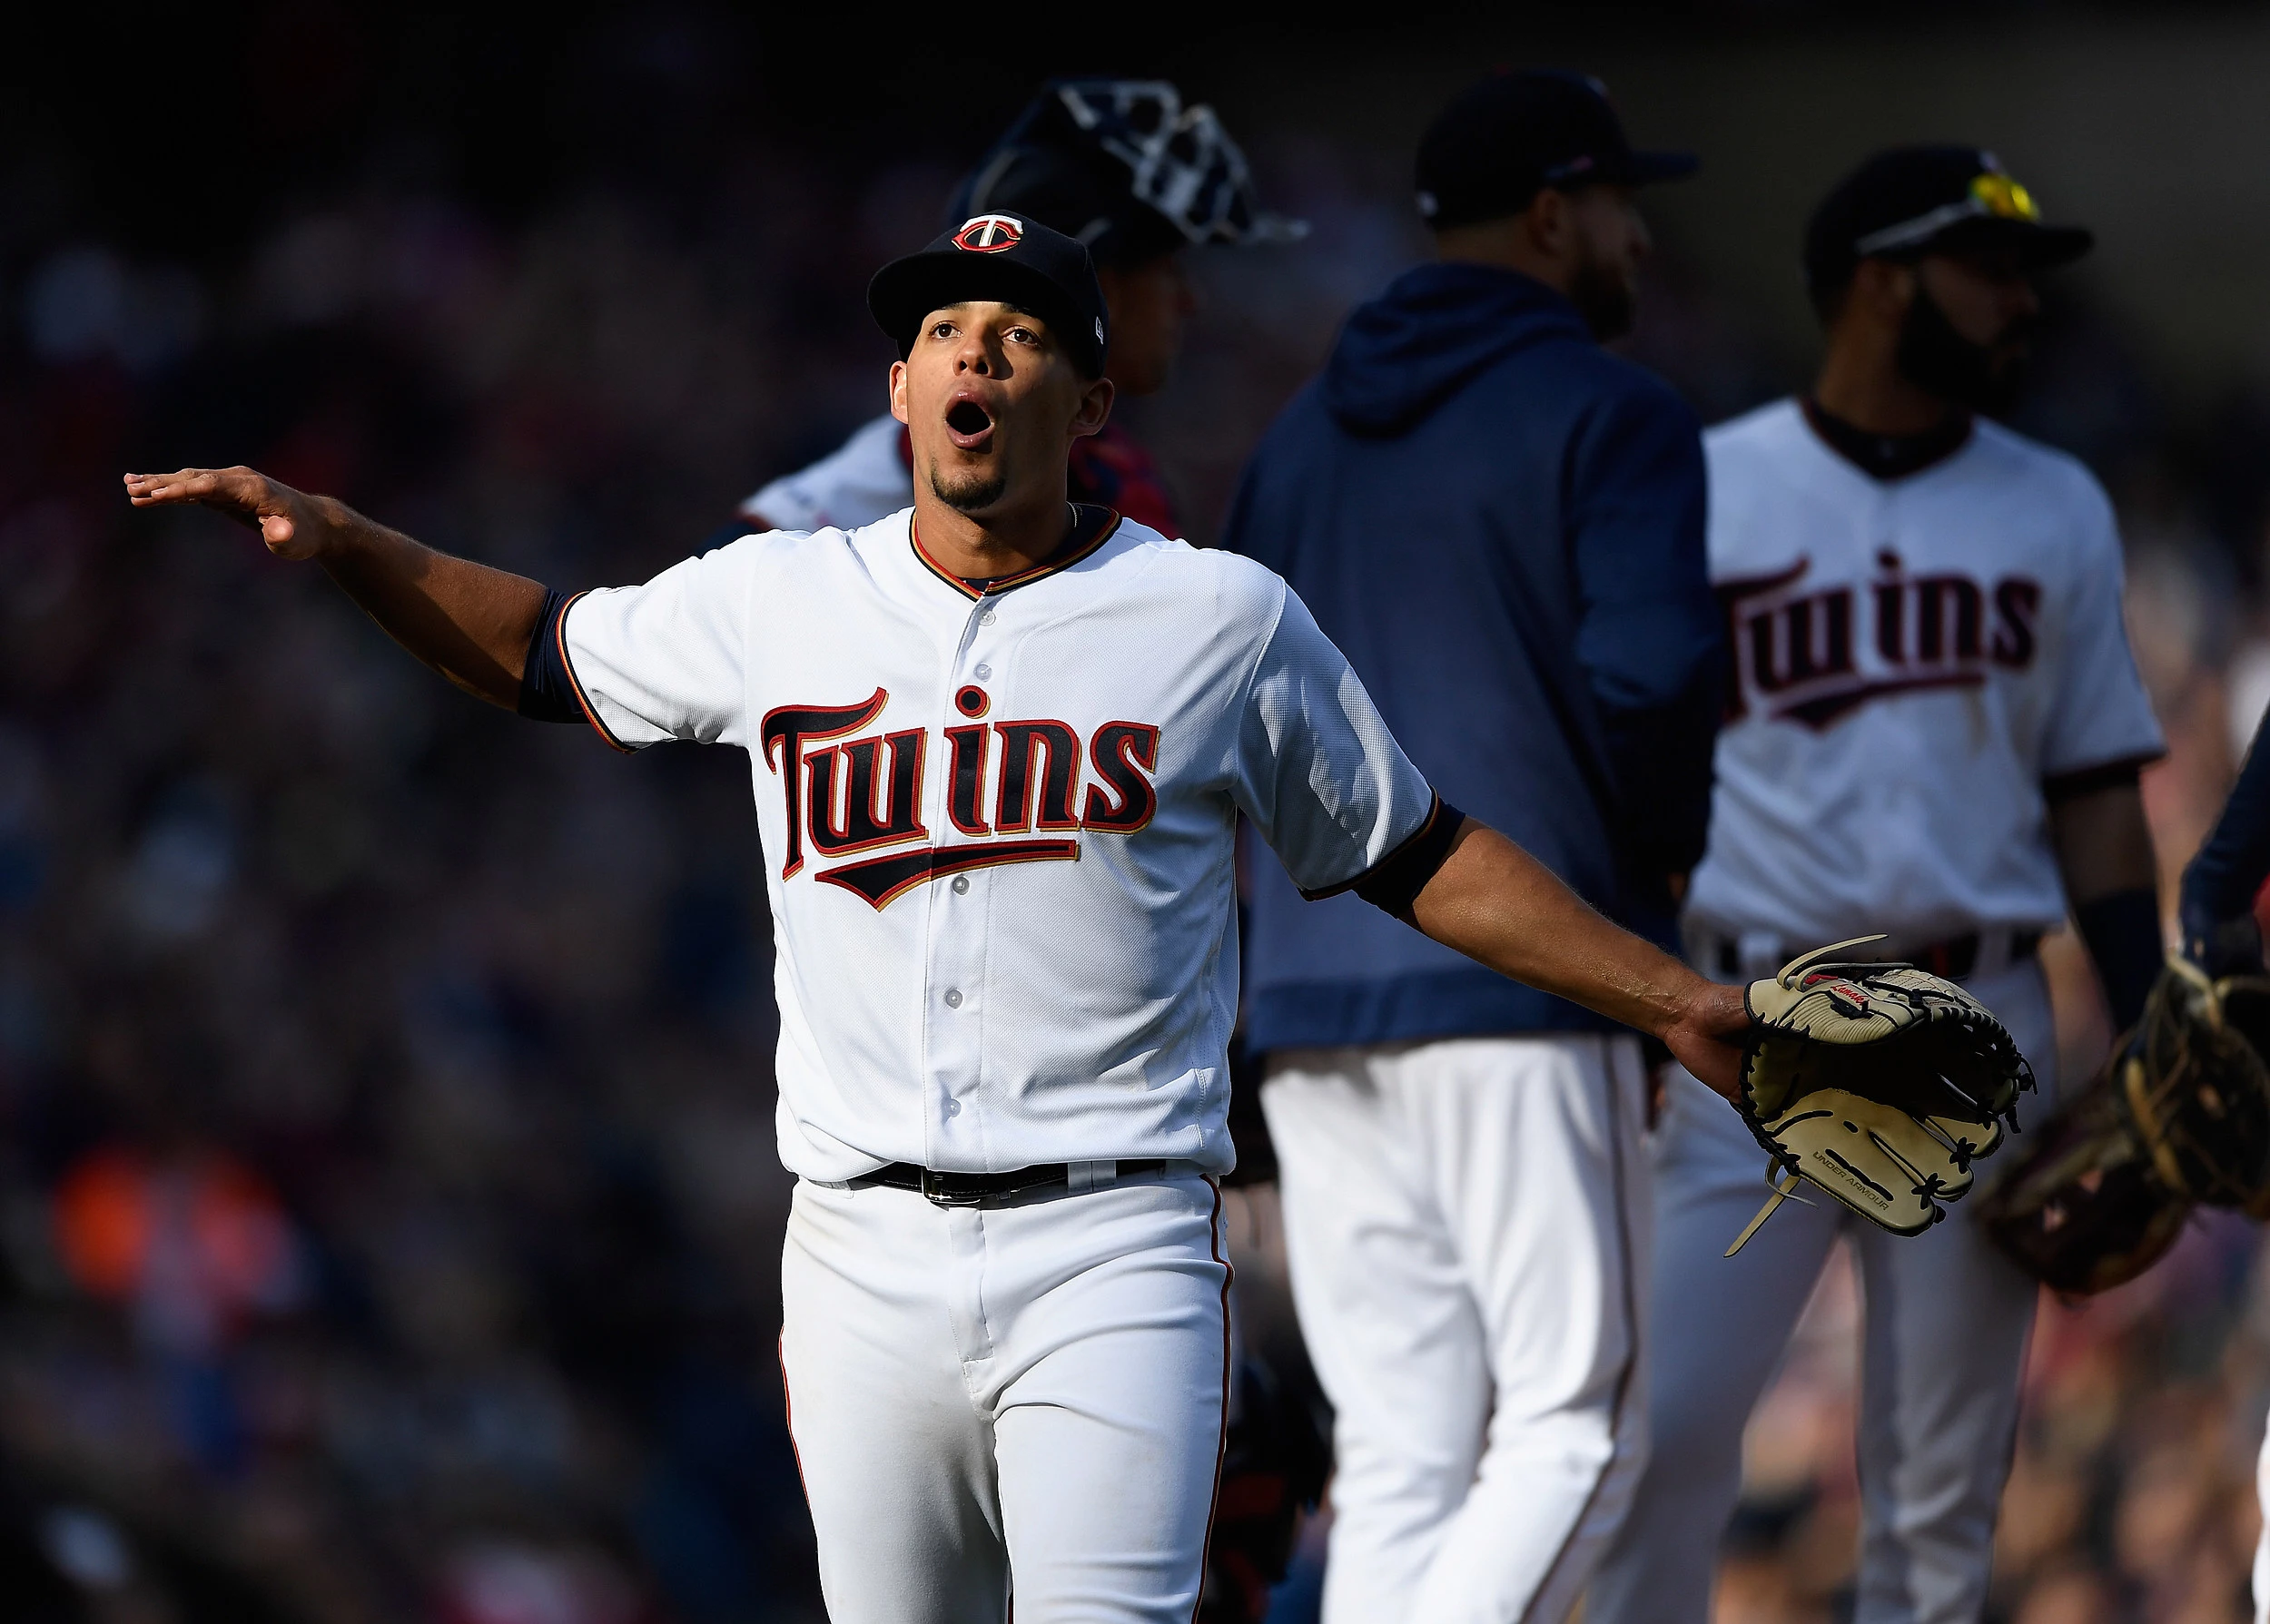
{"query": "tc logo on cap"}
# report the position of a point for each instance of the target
(989, 234)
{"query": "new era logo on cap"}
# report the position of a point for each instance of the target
(989, 234)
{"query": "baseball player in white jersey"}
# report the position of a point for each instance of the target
(1935, 730)
(998, 746)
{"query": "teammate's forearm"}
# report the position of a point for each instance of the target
(1496, 903)
(470, 623)
(2102, 842)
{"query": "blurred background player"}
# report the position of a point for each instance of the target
(1124, 168)
(1502, 525)
(1935, 728)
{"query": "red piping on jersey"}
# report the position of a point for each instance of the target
(559, 633)
(1221, 1446)
(1022, 578)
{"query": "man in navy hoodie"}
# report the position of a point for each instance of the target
(1502, 525)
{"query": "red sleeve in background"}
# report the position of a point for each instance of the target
(1112, 469)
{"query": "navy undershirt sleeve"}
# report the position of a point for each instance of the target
(1396, 883)
(547, 693)
(2222, 880)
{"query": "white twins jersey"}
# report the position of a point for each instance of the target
(1912, 658)
(999, 828)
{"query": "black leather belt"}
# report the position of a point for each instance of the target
(974, 1189)
(1952, 960)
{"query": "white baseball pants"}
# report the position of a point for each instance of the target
(2261, 1542)
(1026, 1396)
(1466, 1223)
(1946, 1321)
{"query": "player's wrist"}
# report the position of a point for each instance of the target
(328, 525)
(1704, 1006)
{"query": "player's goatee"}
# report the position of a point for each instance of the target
(971, 492)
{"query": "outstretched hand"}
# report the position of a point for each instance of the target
(289, 521)
(1708, 1037)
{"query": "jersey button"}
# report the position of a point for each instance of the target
(953, 998)
(961, 885)
(982, 672)
(988, 618)
(953, 1107)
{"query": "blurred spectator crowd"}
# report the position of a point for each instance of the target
(388, 1212)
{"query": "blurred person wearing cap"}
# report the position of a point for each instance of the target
(1935, 730)
(1501, 523)
(1124, 168)
(1000, 746)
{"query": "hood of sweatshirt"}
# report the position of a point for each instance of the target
(1405, 352)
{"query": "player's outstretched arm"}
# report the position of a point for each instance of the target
(470, 623)
(1496, 903)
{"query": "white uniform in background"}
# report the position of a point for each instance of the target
(999, 834)
(1468, 1224)
(863, 480)
(1915, 657)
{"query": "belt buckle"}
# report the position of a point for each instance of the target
(938, 1195)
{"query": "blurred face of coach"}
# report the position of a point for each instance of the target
(1531, 172)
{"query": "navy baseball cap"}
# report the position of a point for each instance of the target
(1507, 139)
(1002, 257)
(1909, 202)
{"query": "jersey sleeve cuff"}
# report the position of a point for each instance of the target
(1395, 882)
(546, 692)
(550, 690)
(2104, 775)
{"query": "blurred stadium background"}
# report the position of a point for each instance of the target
(388, 1206)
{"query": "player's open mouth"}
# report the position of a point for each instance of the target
(970, 425)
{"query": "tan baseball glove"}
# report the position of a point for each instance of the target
(1879, 1084)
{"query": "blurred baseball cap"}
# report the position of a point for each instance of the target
(1503, 141)
(1003, 257)
(1124, 168)
(1909, 202)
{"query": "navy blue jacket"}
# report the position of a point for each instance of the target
(1500, 525)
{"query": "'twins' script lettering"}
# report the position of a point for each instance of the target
(866, 793)
(1816, 656)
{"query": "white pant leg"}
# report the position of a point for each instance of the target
(1716, 1329)
(2262, 1545)
(1947, 1319)
(1025, 1397)
(895, 1454)
(1546, 1187)
(1946, 1322)
(1464, 1220)
(1396, 1338)
(1109, 1396)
